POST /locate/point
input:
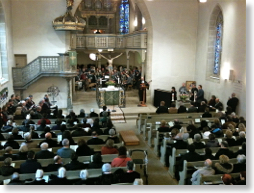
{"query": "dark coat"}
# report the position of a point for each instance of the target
(212, 143)
(53, 167)
(206, 114)
(17, 136)
(240, 141)
(199, 145)
(231, 142)
(162, 109)
(226, 152)
(7, 170)
(106, 179)
(233, 102)
(84, 150)
(59, 181)
(239, 167)
(95, 141)
(38, 182)
(12, 156)
(79, 132)
(13, 144)
(164, 129)
(30, 166)
(114, 138)
(75, 165)
(93, 165)
(44, 154)
(22, 156)
(189, 157)
(50, 142)
(129, 177)
(16, 182)
(182, 109)
(192, 109)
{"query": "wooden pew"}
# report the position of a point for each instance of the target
(71, 174)
(187, 165)
(213, 179)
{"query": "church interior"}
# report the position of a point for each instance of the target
(51, 49)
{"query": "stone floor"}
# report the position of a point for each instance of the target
(157, 173)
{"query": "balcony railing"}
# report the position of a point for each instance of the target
(135, 40)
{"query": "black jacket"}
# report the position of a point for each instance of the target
(226, 152)
(95, 141)
(162, 109)
(75, 165)
(30, 166)
(7, 170)
(59, 181)
(13, 144)
(189, 157)
(38, 182)
(182, 109)
(44, 154)
(50, 142)
(84, 150)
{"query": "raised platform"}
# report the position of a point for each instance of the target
(129, 137)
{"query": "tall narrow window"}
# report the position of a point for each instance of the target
(218, 44)
(124, 17)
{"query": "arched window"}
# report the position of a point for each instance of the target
(214, 45)
(3, 50)
(124, 17)
(218, 44)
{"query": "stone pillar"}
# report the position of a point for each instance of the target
(69, 100)
(99, 61)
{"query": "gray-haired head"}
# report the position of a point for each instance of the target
(138, 181)
(23, 148)
(208, 163)
(112, 132)
(241, 158)
(27, 136)
(7, 161)
(15, 175)
(61, 172)
(197, 137)
(83, 174)
(65, 142)
(242, 134)
(185, 136)
(44, 146)
(39, 174)
(106, 168)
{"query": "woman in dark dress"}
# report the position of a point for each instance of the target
(83, 149)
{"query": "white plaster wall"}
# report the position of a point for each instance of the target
(173, 43)
(234, 51)
(7, 12)
(39, 89)
(33, 33)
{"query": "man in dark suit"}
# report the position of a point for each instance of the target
(217, 104)
(162, 108)
(56, 165)
(233, 102)
(31, 165)
(200, 94)
(182, 108)
(44, 153)
(51, 142)
(95, 140)
(224, 151)
(192, 108)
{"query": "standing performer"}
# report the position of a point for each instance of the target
(110, 62)
(193, 91)
(143, 85)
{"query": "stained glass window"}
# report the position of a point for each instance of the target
(124, 17)
(218, 43)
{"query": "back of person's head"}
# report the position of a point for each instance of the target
(44, 146)
(163, 123)
(227, 179)
(110, 143)
(191, 148)
(112, 132)
(82, 111)
(216, 121)
(66, 134)
(224, 144)
(46, 129)
(162, 103)
(104, 108)
(94, 133)
(231, 127)
(15, 176)
(7, 161)
(62, 128)
(81, 142)
(211, 137)
(74, 157)
(8, 150)
(48, 135)
(122, 150)
(202, 103)
(174, 132)
(23, 148)
(83, 174)
(138, 181)
(241, 127)
(59, 121)
(97, 158)
(197, 137)
(61, 172)
(223, 159)
(130, 165)
(65, 142)
(106, 168)
(27, 137)
(208, 163)
(229, 134)
(15, 131)
(208, 151)
(39, 173)
(57, 158)
(242, 134)
(30, 154)
(203, 123)
(241, 158)
(43, 122)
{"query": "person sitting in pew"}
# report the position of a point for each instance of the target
(108, 127)
(73, 120)
(75, 164)
(48, 139)
(109, 148)
(207, 170)
(208, 154)
(97, 161)
(34, 134)
(192, 108)
(10, 142)
(28, 120)
(107, 177)
(207, 114)
(93, 114)
(44, 153)
(240, 165)
(212, 142)
(82, 113)
(182, 108)
(85, 124)
(79, 131)
(176, 125)
(7, 169)
(95, 140)
(202, 107)
(58, 162)
(29, 142)
(84, 179)
(47, 130)
(130, 175)
(61, 178)
(67, 135)
(31, 164)
(122, 159)
(229, 138)
(15, 133)
(83, 149)
(197, 142)
(8, 153)
(65, 151)
(224, 166)
(47, 121)
(113, 136)
(42, 125)
(206, 132)
(39, 178)
(193, 130)
(58, 125)
(23, 150)
(162, 108)
(96, 127)
(241, 151)
(224, 151)
(241, 138)
(163, 127)
(15, 180)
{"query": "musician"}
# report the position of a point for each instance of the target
(140, 90)
(173, 90)
(128, 81)
(193, 91)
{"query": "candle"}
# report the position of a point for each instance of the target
(195, 96)
(100, 80)
(173, 96)
(118, 80)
